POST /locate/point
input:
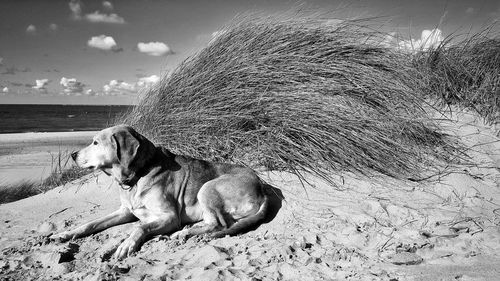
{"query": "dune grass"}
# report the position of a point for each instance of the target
(15, 191)
(465, 72)
(297, 93)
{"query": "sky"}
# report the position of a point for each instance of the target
(105, 52)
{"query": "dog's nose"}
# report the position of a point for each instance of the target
(74, 155)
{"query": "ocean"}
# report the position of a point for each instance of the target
(21, 118)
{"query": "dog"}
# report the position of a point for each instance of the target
(167, 191)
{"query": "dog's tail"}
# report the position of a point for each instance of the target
(247, 223)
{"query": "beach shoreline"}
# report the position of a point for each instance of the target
(31, 156)
(43, 136)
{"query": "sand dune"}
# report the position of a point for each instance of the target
(390, 230)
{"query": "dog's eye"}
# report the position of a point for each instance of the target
(94, 143)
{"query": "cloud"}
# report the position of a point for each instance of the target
(107, 5)
(71, 86)
(90, 92)
(103, 42)
(148, 81)
(31, 29)
(53, 27)
(428, 39)
(76, 9)
(470, 11)
(154, 48)
(1, 61)
(5, 90)
(40, 84)
(96, 17)
(119, 87)
(390, 40)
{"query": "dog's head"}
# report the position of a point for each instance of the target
(119, 151)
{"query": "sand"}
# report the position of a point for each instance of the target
(31, 156)
(364, 230)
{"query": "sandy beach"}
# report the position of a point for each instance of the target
(30, 156)
(362, 230)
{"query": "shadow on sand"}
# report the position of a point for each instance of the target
(275, 202)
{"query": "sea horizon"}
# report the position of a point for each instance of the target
(71, 103)
(33, 118)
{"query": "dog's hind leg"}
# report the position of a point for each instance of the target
(213, 220)
(212, 209)
(210, 224)
(220, 217)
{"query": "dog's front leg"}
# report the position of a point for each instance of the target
(160, 224)
(120, 216)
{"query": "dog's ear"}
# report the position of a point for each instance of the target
(127, 146)
(133, 152)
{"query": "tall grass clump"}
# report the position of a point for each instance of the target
(466, 73)
(297, 93)
(10, 192)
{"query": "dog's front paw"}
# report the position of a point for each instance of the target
(62, 236)
(126, 248)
